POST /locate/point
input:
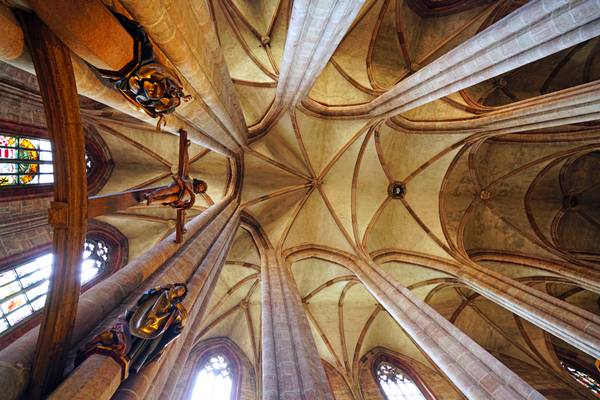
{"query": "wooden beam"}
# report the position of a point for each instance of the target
(110, 203)
(52, 61)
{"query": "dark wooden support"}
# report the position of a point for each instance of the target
(106, 204)
(68, 212)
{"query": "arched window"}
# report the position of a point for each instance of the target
(396, 383)
(582, 376)
(24, 282)
(214, 380)
(26, 161)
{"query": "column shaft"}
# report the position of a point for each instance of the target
(572, 324)
(475, 372)
(102, 299)
(149, 382)
(291, 366)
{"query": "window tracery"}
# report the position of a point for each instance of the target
(214, 380)
(23, 288)
(396, 384)
(582, 377)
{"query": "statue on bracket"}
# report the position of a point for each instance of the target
(144, 82)
(141, 335)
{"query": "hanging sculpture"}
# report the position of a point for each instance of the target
(145, 83)
(141, 335)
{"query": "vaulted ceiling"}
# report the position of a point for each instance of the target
(313, 180)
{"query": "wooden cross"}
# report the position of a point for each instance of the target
(180, 195)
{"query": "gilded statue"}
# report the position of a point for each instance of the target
(141, 335)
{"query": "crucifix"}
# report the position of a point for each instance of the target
(180, 195)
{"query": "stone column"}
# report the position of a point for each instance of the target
(536, 30)
(112, 293)
(475, 372)
(572, 324)
(148, 384)
(315, 30)
(13, 50)
(291, 366)
(184, 30)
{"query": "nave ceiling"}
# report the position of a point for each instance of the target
(498, 196)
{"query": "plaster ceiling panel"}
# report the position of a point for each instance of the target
(515, 271)
(423, 193)
(584, 299)
(385, 332)
(279, 32)
(403, 153)
(325, 314)
(351, 54)
(127, 176)
(324, 351)
(255, 101)
(141, 235)
(459, 191)
(232, 297)
(260, 14)
(250, 37)
(219, 292)
(239, 63)
(315, 225)
(324, 138)
(423, 291)
(495, 159)
(241, 335)
(311, 273)
(213, 169)
(274, 215)
(326, 295)
(397, 229)
(359, 305)
(332, 88)
(243, 248)
(223, 328)
(408, 274)
(440, 34)
(281, 145)
(505, 323)
(486, 231)
(255, 184)
(478, 329)
(444, 299)
(545, 199)
(409, 23)
(128, 144)
(437, 110)
(583, 174)
(371, 187)
(337, 184)
(387, 63)
(578, 231)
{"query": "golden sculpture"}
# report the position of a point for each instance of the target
(140, 337)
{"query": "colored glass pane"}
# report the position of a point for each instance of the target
(395, 384)
(25, 161)
(214, 380)
(583, 378)
(23, 288)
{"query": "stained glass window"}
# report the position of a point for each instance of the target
(28, 161)
(582, 377)
(23, 288)
(214, 381)
(25, 161)
(396, 385)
